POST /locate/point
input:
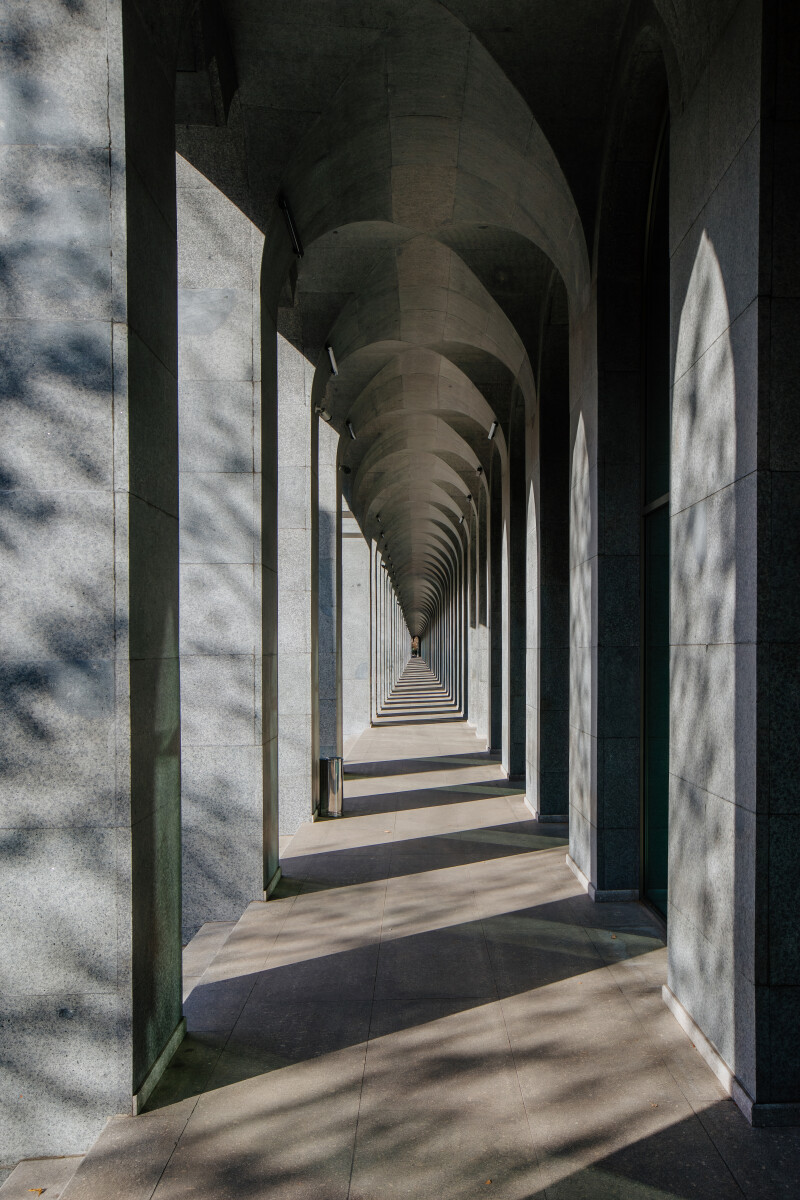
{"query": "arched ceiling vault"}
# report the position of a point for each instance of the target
(434, 213)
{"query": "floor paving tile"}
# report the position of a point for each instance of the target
(42, 1176)
(431, 1007)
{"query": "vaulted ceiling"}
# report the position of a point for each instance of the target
(442, 165)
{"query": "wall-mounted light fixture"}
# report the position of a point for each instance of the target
(378, 517)
(472, 498)
(492, 430)
(332, 358)
(345, 469)
(290, 225)
(461, 519)
(479, 470)
(322, 412)
(350, 429)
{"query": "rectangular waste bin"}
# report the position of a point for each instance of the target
(330, 787)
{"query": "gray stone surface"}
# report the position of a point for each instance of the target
(220, 547)
(453, 1016)
(41, 1176)
(471, 185)
(298, 594)
(355, 631)
(76, 438)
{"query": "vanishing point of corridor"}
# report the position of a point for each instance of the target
(433, 1008)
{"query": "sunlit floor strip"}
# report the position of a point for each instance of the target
(417, 697)
(432, 1007)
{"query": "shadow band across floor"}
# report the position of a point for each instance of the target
(432, 1007)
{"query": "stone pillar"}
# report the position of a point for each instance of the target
(269, 596)
(734, 968)
(496, 606)
(298, 749)
(513, 602)
(219, 263)
(90, 972)
(483, 679)
(547, 689)
(373, 626)
(477, 631)
(329, 591)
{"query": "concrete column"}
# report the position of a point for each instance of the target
(734, 967)
(90, 888)
(471, 626)
(298, 747)
(476, 625)
(220, 499)
(606, 396)
(328, 591)
(482, 678)
(514, 628)
(380, 584)
(496, 607)
(373, 625)
(547, 688)
(392, 649)
(354, 641)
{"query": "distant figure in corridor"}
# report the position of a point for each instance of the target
(414, 647)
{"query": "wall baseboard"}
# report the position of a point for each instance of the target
(555, 818)
(601, 895)
(760, 1115)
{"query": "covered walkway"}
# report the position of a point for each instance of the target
(433, 1008)
(331, 328)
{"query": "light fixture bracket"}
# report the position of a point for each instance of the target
(297, 245)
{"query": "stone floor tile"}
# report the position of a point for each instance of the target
(48, 1175)
(432, 1003)
(440, 962)
(287, 1134)
(128, 1159)
(344, 976)
(431, 1154)
(309, 1028)
(190, 1069)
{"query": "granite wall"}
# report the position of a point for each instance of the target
(219, 260)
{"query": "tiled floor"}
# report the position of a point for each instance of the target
(417, 696)
(202, 950)
(46, 1177)
(432, 1010)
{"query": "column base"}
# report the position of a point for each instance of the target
(602, 895)
(555, 818)
(273, 883)
(158, 1068)
(762, 1116)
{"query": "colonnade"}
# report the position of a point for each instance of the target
(307, 356)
